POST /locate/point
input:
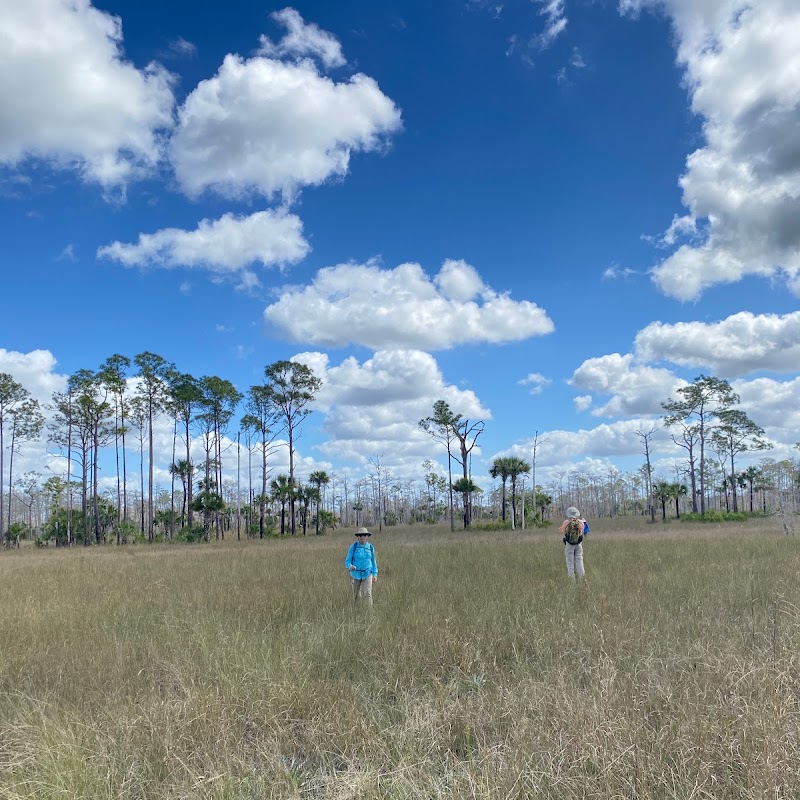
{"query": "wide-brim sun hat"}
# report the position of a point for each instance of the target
(573, 512)
(363, 532)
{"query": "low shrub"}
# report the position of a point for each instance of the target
(716, 516)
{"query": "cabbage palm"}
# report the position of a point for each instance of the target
(281, 491)
(499, 469)
(319, 478)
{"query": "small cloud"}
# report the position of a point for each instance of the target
(241, 351)
(556, 22)
(564, 77)
(302, 40)
(583, 402)
(680, 227)
(399, 24)
(185, 287)
(536, 381)
(615, 272)
(181, 48)
(248, 281)
(512, 45)
(493, 8)
(67, 254)
(220, 328)
(577, 60)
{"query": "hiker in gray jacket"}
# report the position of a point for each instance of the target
(573, 529)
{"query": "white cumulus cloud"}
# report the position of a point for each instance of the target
(374, 407)
(403, 308)
(35, 371)
(69, 96)
(537, 382)
(775, 406)
(635, 389)
(226, 245)
(266, 126)
(739, 344)
(742, 187)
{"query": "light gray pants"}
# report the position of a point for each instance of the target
(574, 556)
(362, 587)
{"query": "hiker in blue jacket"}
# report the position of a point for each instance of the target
(362, 566)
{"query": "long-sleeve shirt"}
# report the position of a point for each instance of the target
(362, 557)
(563, 528)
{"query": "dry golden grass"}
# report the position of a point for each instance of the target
(239, 670)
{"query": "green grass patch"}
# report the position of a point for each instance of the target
(713, 516)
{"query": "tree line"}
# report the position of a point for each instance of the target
(118, 407)
(97, 410)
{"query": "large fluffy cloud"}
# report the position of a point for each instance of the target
(635, 389)
(742, 188)
(775, 406)
(267, 126)
(403, 307)
(373, 408)
(739, 344)
(69, 96)
(226, 245)
(35, 371)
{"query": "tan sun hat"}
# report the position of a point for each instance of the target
(363, 532)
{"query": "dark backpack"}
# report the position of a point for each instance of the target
(574, 532)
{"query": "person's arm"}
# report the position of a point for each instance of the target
(374, 565)
(563, 527)
(348, 561)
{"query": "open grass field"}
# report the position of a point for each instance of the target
(239, 671)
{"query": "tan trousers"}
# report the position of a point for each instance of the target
(362, 587)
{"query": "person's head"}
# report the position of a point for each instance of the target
(573, 512)
(361, 535)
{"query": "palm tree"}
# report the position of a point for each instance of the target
(207, 502)
(281, 490)
(506, 467)
(499, 469)
(678, 490)
(181, 470)
(307, 495)
(465, 487)
(516, 467)
(663, 491)
(749, 476)
(319, 478)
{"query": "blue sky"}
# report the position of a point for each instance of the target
(550, 213)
